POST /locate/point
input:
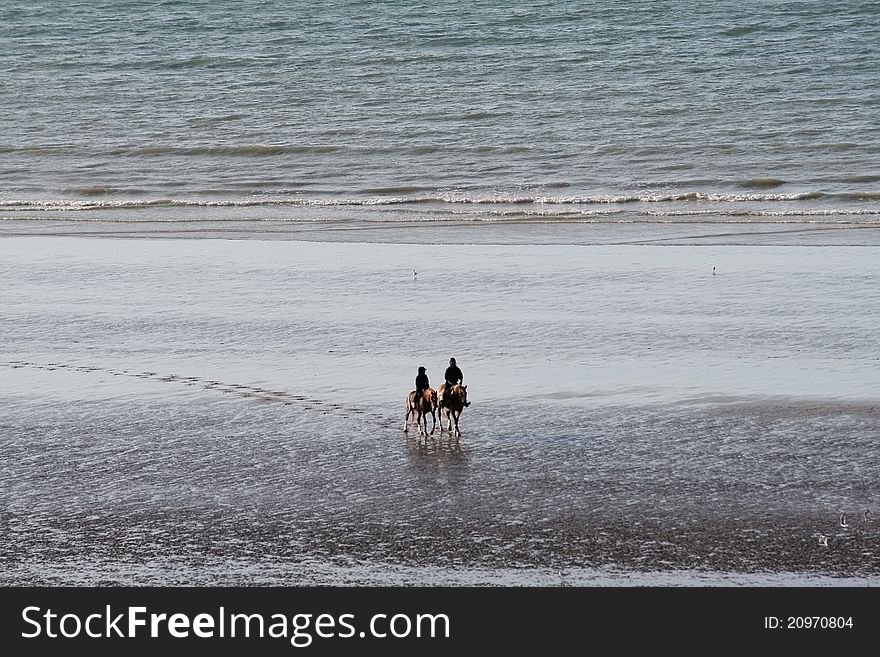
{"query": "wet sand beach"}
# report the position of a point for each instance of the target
(229, 411)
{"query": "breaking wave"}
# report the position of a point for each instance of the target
(13, 205)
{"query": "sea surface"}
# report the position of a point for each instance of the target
(357, 112)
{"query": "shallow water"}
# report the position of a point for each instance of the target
(171, 405)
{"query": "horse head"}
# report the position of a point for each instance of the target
(464, 401)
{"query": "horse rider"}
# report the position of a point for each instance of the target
(453, 377)
(422, 383)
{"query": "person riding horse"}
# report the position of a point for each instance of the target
(419, 404)
(422, 383)
(453, 377)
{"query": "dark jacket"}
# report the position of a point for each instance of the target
(422, 383)
(453, 375)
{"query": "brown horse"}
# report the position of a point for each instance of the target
(454, 404)
(419, 408)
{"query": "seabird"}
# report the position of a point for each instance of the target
(415, 273)
(562, 581)
(823, 540)
(713, 270)
(843, 520)
(866, 514)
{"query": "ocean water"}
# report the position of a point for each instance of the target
(608, 111)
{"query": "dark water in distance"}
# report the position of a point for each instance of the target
(666, 111)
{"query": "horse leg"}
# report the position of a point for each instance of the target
(433, 422)
(455, 414)
(410, 411)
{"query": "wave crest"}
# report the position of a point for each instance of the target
(422, 197)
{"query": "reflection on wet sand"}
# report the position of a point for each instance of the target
(718, 488)
(629, 411)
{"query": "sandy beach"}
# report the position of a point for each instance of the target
(229, 411)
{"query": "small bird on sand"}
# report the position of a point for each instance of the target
(415, 273)
(866, 515)
(843, 520)
(562, 581)
(823, 540)
(713, 270)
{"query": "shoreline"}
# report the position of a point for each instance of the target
(696, 233)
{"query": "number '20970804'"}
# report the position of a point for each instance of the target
(808, 622)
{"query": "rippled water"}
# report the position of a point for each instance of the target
(607, 111)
